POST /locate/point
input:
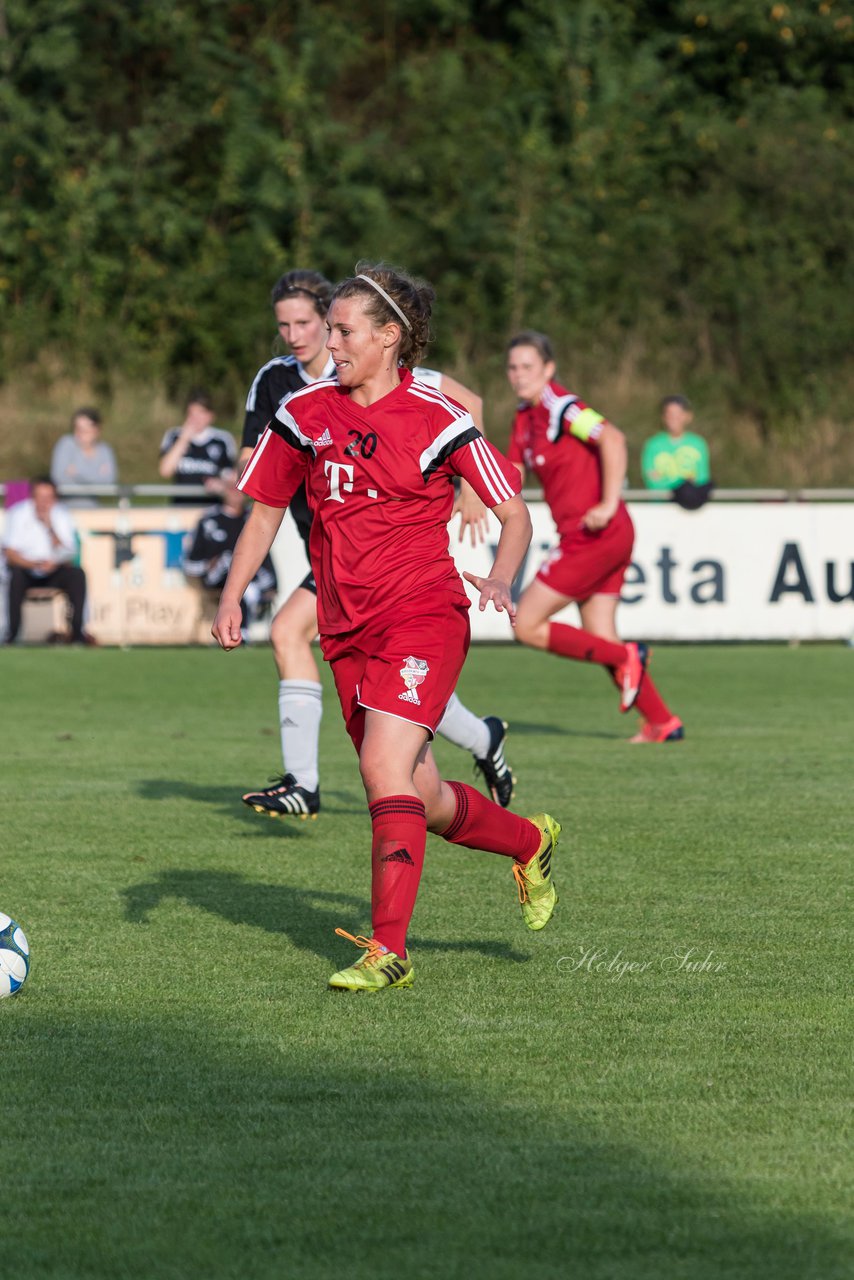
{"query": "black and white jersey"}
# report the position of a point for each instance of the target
(276, 379)
(208, 454)
(210, 552)
(273, 382)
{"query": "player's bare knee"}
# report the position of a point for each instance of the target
(278, 630)
(287, 641)
(281, 653)
(431, 795)
(439, 818)
(377, 777)
(530, 632)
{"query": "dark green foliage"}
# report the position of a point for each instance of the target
(614, 172)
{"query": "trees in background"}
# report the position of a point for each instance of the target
(678, 175)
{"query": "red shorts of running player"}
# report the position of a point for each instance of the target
(407, 666)
(586, 564)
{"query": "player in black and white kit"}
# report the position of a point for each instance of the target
(300, 301)
(197, 452)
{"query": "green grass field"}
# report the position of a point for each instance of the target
(183, 1098)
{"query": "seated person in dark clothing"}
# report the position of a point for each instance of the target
(40, 544)
(208, 556)
(198, 452)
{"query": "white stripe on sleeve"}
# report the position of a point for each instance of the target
(557, 408)
(253, 461)
(462, 423)
(487, 477)
(252, 397)
(287, 419)
(436, 397)
(493, 469)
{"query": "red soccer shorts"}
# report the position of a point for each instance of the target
(406, 666)
(588, 564)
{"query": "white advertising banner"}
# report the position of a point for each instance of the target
(730, 571)
(739, 571)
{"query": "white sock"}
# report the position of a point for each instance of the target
(464, 728)
(300, 710)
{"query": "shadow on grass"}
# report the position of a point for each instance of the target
(158, 1146)
(530, 728)
(227, 799)
(307, 917)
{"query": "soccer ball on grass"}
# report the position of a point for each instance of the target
(14, 956)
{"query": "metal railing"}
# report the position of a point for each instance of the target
(125, 494)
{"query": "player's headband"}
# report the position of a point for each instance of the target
(391, 302)
(298, 288)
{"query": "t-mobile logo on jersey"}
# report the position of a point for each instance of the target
(336, 484)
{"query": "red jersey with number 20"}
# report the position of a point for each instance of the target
(556, 439)
(379, 480)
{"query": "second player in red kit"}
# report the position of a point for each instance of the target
(580, 459)
(378, 452)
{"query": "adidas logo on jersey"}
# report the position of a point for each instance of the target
(399, 855)
(323, 439)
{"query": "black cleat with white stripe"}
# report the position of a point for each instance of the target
(495, 769)
(284, 799)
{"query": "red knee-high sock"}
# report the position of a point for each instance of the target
(480, 824)
(572, 642)
(397, 856)
(650, 703)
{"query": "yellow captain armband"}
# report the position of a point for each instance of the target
(586, 424)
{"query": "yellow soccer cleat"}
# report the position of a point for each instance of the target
(537, 892)
(376, 970)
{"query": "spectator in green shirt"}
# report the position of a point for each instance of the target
(675, 456)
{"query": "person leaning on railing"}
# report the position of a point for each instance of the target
(81, 457)
(676, 460)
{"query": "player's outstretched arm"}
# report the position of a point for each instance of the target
(516, 530)
(253, 545)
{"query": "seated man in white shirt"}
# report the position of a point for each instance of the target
(39, 543)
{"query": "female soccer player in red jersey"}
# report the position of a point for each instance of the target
(580, 460)
(378, 451)
(300, 301)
